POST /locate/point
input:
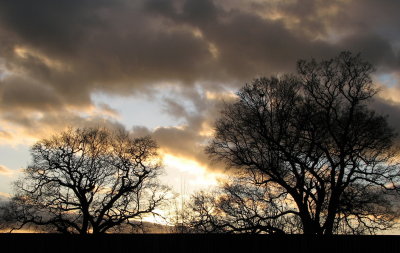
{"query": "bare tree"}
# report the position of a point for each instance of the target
(89, 180)
(312, 139)
(241, 206)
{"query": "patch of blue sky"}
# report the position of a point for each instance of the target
(14, 158)
(388, 79)
(137, 110)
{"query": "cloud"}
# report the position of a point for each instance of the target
(123, 46)
(6, 171)
(19, 93)
(199, 108)
(55, 55)
(26, 126)
(390, 109)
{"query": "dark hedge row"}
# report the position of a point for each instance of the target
(196, 243)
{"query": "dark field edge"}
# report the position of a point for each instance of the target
(197, 243)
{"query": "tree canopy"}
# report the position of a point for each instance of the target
(89, 180)
(322, 160)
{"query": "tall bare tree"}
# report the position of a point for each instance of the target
(313, 139)
(89, 180)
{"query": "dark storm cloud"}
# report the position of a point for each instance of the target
(19, 93)
(112, 46)
(389, 109)
(56, 54)
(246, 44)
(374, 48)
(372, 16)
(122, 46)
(250, 45)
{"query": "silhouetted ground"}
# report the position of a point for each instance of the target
(196, 243)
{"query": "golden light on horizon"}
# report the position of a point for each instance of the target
(197, 175)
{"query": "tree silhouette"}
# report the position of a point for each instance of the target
(89, 180)
(239, 207)
(311, 140)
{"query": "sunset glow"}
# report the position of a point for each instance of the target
(166, 69)
(188, 174)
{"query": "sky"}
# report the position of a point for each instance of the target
(165, 67)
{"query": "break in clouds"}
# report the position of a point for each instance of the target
(54, 55)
